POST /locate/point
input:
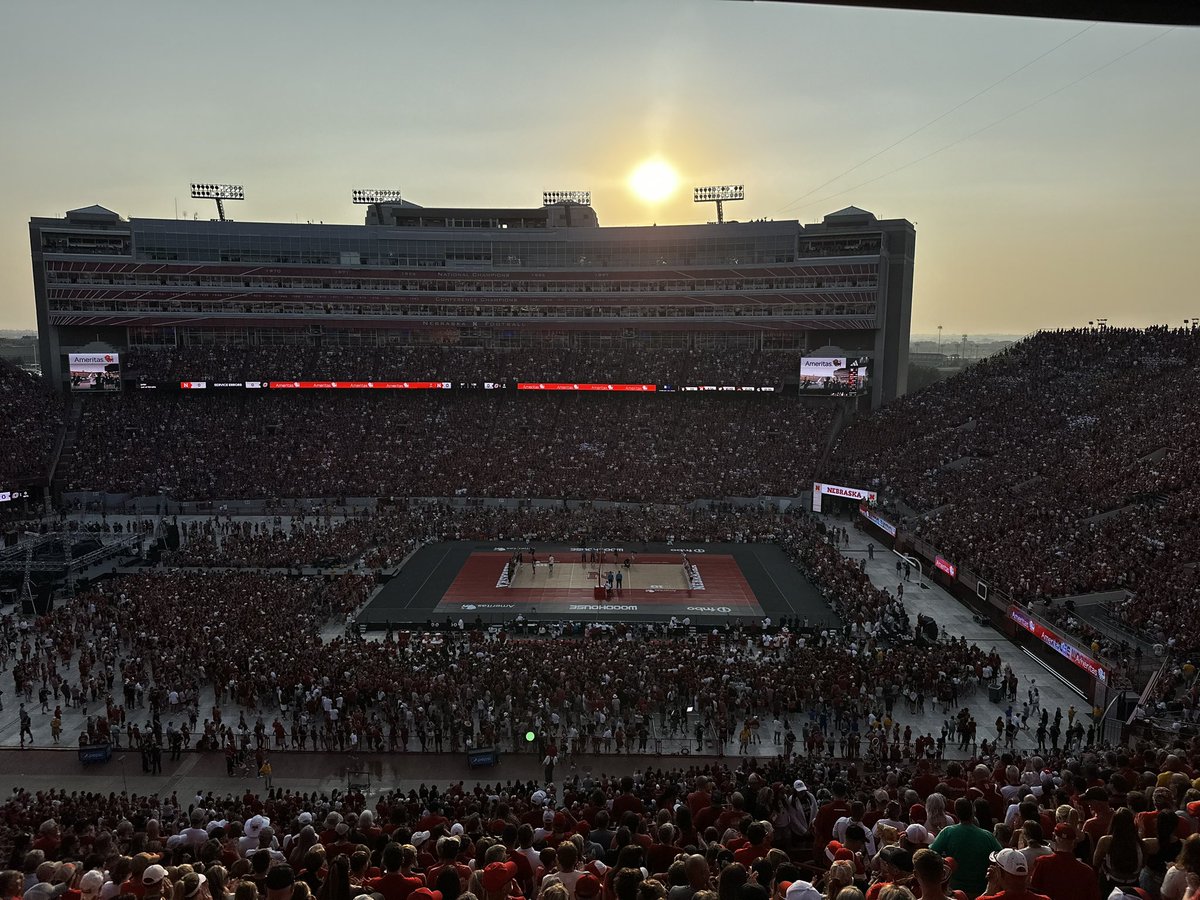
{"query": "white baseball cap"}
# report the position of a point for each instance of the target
(802, 890)
(1011, 861)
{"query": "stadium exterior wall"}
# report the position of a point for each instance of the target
(115, 283)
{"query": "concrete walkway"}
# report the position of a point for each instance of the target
(957, 621)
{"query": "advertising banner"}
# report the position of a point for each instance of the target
(572, 386)
(820, 489)
(821, 366)
(360, 385)
(878, 521)
(1059, 644)
(944, 565)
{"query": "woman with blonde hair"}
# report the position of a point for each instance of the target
(217, 878)
(935, 814)
(1175, 883)
(840, 875)
(192, 886)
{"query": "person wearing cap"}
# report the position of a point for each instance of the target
(90, 884)
(914, 837)
(1008, 878)
(193, 886)
(895, 866)
(971, 846)
(587, 887)
(801, 890)
(154, 882)
(854, 817)
(137, 868)
(497, 879)
(1096, 801)
(1061, 875)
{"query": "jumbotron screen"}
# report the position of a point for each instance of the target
(94, 371)
(834, 375)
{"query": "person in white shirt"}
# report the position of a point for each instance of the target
(855, 818)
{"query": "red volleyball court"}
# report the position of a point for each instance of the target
(653, 585)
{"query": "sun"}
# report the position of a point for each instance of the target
(654, 180)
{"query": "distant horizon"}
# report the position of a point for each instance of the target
(1045, 163)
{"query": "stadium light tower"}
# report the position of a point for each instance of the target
(218, 192)
(719, 193)
(583, 198)
(375, 195)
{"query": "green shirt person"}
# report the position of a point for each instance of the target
(971, 847)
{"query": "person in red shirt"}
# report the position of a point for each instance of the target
(626, 802)
(981, 780)
(708, 816)
(497, 880)
(48, 839)
(398, 880)
(757, 848)
(828, 814)
(701, 796)
(660, 856)
(1008, 878)
(1096, 801)
(956, 785)
(447, 854)
(1061, 875)
(926, 782)
(433, 820)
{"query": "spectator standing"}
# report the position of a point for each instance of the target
(971, 847)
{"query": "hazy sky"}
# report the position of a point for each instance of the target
(1086, 204)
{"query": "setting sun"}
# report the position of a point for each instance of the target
(654, 180)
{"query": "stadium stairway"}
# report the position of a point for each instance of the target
(64, 450)
(841, 418)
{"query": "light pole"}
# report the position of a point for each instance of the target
(218, 192)
(719, 193)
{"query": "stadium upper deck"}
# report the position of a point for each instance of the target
(476, 277)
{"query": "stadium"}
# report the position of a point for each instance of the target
(492, 552)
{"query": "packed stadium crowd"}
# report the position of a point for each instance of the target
(29, 426)
(1115, 824)
(135, 644)
(382, 536)
(628, 363)
(855, 803)
(1064, 465)
(643, 447)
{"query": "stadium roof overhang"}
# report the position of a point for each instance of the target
(1149, 12)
